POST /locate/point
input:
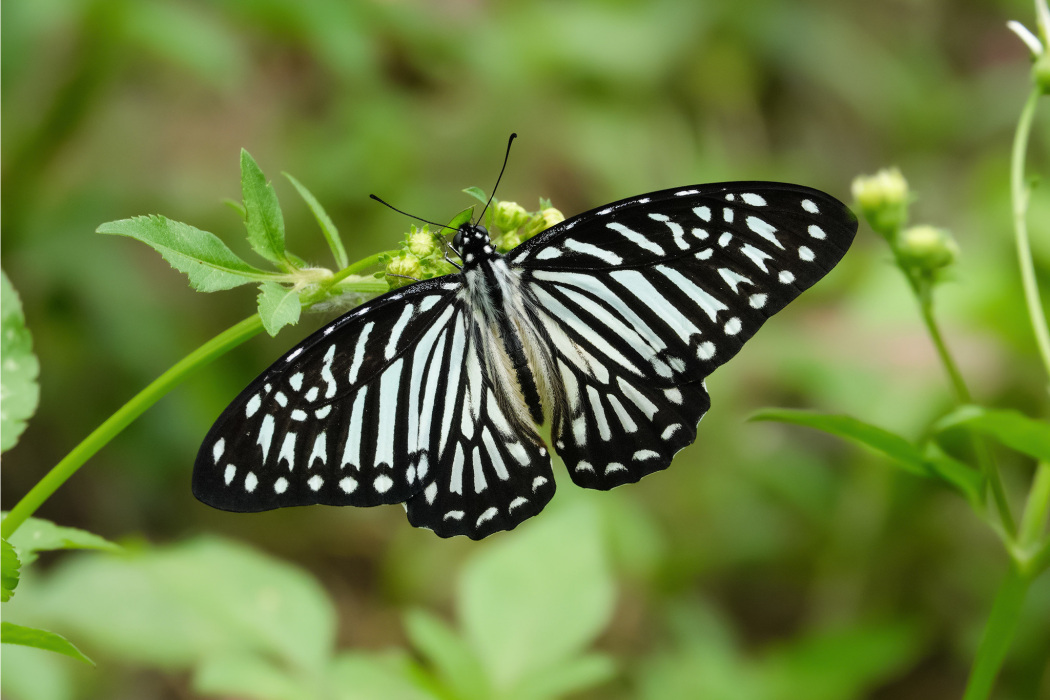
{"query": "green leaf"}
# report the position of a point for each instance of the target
(477, 193)
(328, 228)
(362, 676)
(9, 566)
(32, 674)
(461, 218)
(205, 259)
(969, 482)
(904, 454)
(535, 598)
(450, 656)
(37, 535)
(237, 207)
(264, 221)
(19, 391)
(245, 676)
(41, 639)
(279, 306)
(847, 663)
(174, 607)
(1011, 428)
(573, 676)
(545, 203)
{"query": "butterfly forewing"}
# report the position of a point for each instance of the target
(644, 298)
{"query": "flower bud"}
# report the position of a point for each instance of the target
(509, 241)
(543, 221)
(927, 248)
(883, 199)
(507, 216)
(421, 242)
(406, 266)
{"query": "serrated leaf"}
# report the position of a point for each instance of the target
(903, 453)
(264, 220)
(477, 193)
(19, 368)
(328, 228)
(205, 259)
(41, 639)
(457, 666)
(1011, 428)
(37, 535)
(9, 566)
(279, 306)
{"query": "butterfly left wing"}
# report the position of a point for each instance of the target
(644, 298)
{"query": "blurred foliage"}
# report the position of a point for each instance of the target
(768, 559)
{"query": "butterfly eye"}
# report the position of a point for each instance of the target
(457, 240)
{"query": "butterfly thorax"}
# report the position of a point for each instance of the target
(494, 290)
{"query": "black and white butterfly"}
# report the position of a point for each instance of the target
(606, 324)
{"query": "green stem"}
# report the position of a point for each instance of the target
(1033, 521)
(62, 471)
(923, 290)
(1019, 195)
(998, 634)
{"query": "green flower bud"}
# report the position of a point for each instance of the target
(507, 216)
(509, 241)
(883, 200)
(927, 248)
(543, 221)
(406, 266)
(421, 242)
(1041, 73)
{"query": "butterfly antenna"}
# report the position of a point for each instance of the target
(505, 159)
(387, 204)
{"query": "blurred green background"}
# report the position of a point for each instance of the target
(769, 561)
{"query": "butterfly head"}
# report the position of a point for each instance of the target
(473, 244)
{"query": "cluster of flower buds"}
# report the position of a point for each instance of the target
(883, 200)
(422, 254)
(511, 225)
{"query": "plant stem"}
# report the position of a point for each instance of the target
(1019, 195)
(62, 471)
(1033, 521)
(924, 293)
(998, 634)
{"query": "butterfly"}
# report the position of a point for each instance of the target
(606, 324)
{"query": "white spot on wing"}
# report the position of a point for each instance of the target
(764, 229)
(642, 455)
(757, 301)
(266, 435)
(706, 350)
(217, 449)
(810, 206)
(253, 405)
(787, 277)
(231, 471)
(817, 232)
(489, 514)
(685, 193)
(296, 381)
(538, 482)
(805, 253)
(250, 482)
(727, 214)
(315, 482)
(348, 484)
(614, 467)
(454, 515)
(753, 199)
(280, 486)
(519, 501)
(732, 326)
(383, 483)
(548, 254)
